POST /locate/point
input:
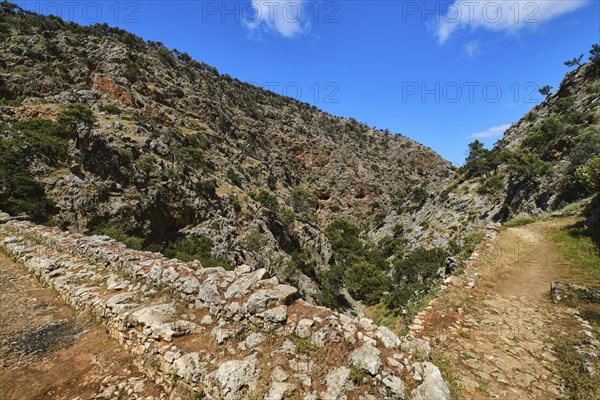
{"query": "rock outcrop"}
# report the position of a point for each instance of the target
(572, 293)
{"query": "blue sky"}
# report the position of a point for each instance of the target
(439, 72)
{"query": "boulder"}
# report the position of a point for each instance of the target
(395, 385)
(277, 391)
(155, 320)
(569, 292)
(242, 285)
(235, 376)
(367, 357)
(261, 299)
(387, 337)
(208, 292)
(336, 383)
(189, 366)
(303, 328)
(275, 315)
(433, 387)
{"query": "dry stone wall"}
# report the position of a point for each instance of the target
(222, 334)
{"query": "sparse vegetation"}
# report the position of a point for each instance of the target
(302, 346)
(521, 219)
(195, 248)
(255, 241)
(579, 384)
(26, 141)
(357, 373)
(198, 395)
(449, 371)
(545, 90)
(110, 108)
(581, 247)
(174, 377)
(574, 61)
(117, 231)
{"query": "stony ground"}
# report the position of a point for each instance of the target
(48, 352)
(500, 334)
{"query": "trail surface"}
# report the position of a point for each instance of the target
(47, 351)
(500, 334)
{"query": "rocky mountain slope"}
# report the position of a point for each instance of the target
(103, 133)
(261, 206)
(130, 139)
(539, 156)
(538, 166)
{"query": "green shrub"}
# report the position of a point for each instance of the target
(192, 157)
(531, 116)
(521, 219)
(208, 188)
(343, 237)
(25, 196)
(115, 230)
(542, 134)
(102, 191)
(21, 144)
(492, 185)
(268, 200)
(302, 346)
(233, 177)
(419, 195)
(420, 265)
(378, 219)
(564, 105)
(255, 241)
(174, 377)
(466, 248)
(132, 72)
(76, 119)
(302, 201)
(42, 138)
(589, 174)
(195, 248)
(366, 282)
(527, 165)
(110, 108)
(146, 163)
(302, 261)
(357, 373)
(331, 282)
(198, 395)
(403, 294)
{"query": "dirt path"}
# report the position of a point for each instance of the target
(47, 352)
(500, 334)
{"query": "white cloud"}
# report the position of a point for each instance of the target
(472, 48)
(285, 17)
(501, 15)
(491, 133)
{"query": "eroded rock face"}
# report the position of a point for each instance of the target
(260, 340)
(178, 147)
